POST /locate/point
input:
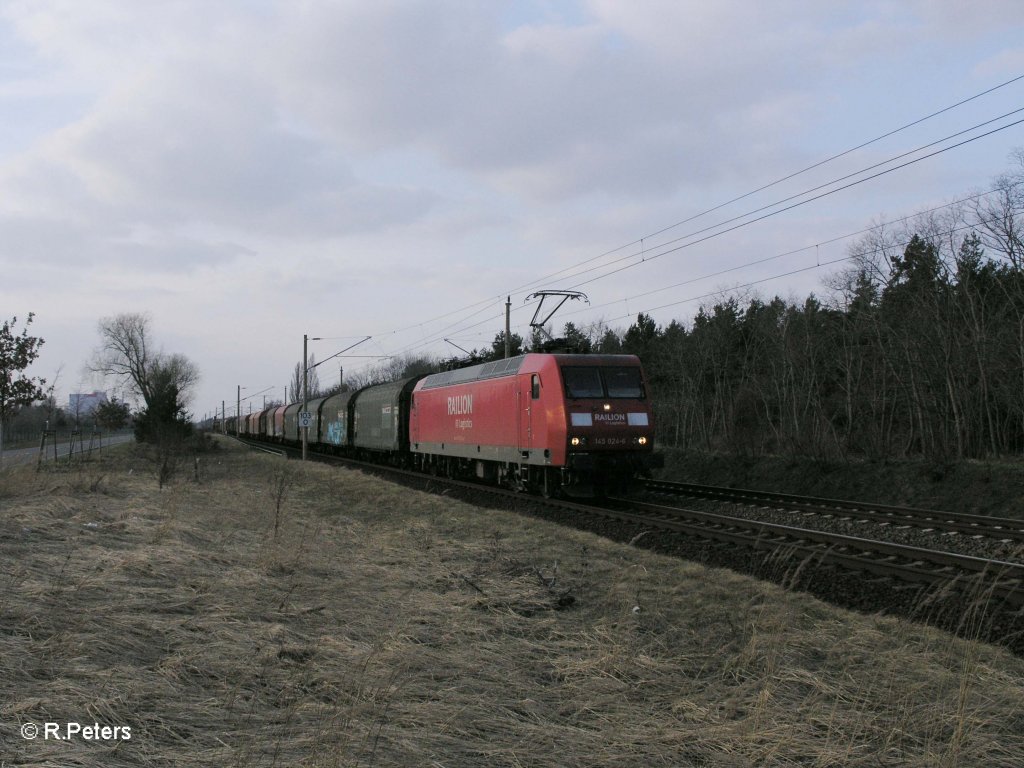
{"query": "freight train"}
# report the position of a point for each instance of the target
(546, 423)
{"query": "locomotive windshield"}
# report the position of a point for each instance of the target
(594, 382)
(623, 382)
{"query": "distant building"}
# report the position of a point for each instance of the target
(82, 404)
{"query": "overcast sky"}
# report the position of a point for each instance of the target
(248, 172)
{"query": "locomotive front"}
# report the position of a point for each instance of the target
(609, 421)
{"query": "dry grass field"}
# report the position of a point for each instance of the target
(274, 614)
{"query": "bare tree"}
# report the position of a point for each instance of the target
(312, 379)
(1000, 216)
(163, 381)
(394, 368)
(126, 353)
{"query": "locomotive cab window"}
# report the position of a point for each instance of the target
(592, 382)
(582, 382)
(623, 382)
(535, 387)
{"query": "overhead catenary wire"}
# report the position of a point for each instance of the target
(816, 246)
(799, 270)
(650, 253)
(647, 256)
(831, 158)
(738, 221)
(818, 265)
(737, 224)
(782, 179)
(526, 286)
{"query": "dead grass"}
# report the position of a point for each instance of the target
(321, 618)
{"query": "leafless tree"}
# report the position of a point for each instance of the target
(312, 381)
(127, 353)
(1000, 216)
(391, 370)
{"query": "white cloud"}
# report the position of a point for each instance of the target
(544, 111)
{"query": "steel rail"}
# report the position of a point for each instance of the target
(997, 577)
(1002, 528)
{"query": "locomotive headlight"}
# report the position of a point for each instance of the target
(577, 441)
(642, 440)
(607, 406)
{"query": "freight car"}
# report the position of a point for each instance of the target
(380, 419)
(335, 419)
(578, 424)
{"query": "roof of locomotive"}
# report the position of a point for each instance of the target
(492, 370)
(595, 359)
(512, 365)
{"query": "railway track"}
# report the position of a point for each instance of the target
(999, 528)
(972, 576)
(961, 582)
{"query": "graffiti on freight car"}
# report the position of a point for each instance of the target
(336, 433)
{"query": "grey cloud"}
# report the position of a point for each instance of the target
(634, 100)
(208, 145)
(29, 243)
(196, 144)
(582, 104)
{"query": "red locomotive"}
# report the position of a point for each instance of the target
(577, 423)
